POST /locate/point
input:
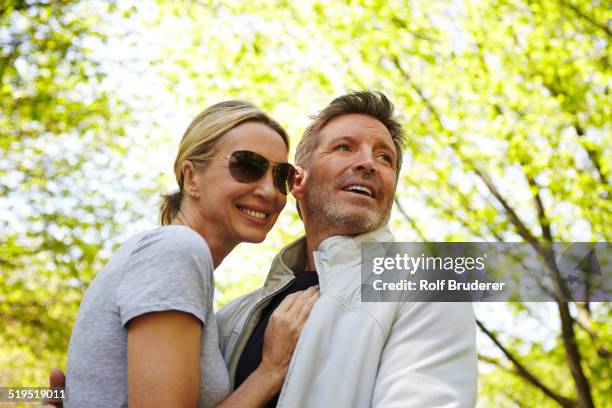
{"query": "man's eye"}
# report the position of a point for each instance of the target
(386, 158)
(343, 148)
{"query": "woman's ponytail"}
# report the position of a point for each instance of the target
(169, 208)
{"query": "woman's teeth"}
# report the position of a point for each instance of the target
(253, 213)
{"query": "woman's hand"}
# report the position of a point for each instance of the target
(281, 336)
(284, 329)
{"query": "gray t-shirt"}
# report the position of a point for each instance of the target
(169, 268)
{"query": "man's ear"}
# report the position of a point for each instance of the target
(190, 175)
(298, 183)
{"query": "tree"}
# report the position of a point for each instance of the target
(60, 130)
(506, 104)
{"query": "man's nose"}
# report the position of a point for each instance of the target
(365, 162)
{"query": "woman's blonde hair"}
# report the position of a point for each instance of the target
(200, 139)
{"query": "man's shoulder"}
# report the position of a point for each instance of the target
(447, 309)
(236, 308)
(232, 317)
(443, 322)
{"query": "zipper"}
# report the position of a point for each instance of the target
(231, 367)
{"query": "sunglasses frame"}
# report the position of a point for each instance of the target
(283, 186)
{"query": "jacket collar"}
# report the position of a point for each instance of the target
(332, 251)
(289, 260)
(346, 251)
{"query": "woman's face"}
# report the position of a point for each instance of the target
(241, 212)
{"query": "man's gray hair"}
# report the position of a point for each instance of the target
(374, 104)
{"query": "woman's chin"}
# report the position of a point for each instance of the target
(254, 237)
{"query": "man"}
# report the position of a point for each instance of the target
(352, 354)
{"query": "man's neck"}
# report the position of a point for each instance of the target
(314, 238)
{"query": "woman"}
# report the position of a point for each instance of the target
(146, 334)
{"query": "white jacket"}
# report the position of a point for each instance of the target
(358, 354)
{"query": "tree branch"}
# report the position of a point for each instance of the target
(593, 154)
(514, 218)
(583, 319)
(523, 372)
(464, 202)
(554, 91)
(6, 61)
(537, 201)
(496, 362)
(410, 220)
(418, 90)
(589, 19)
(574, 358)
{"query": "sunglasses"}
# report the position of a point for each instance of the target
(247, 167)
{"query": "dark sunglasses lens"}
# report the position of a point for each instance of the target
(284, 174)
(247, 167)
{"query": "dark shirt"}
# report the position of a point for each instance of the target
(251, 355)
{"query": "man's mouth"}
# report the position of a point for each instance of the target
(360, 189)
(253, 213)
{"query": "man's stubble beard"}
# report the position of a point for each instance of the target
(327, 210)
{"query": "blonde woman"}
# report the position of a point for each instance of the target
(145, 334)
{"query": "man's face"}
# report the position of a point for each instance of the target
(352, 176)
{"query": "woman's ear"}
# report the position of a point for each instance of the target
(298, 183)
(190, 174)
